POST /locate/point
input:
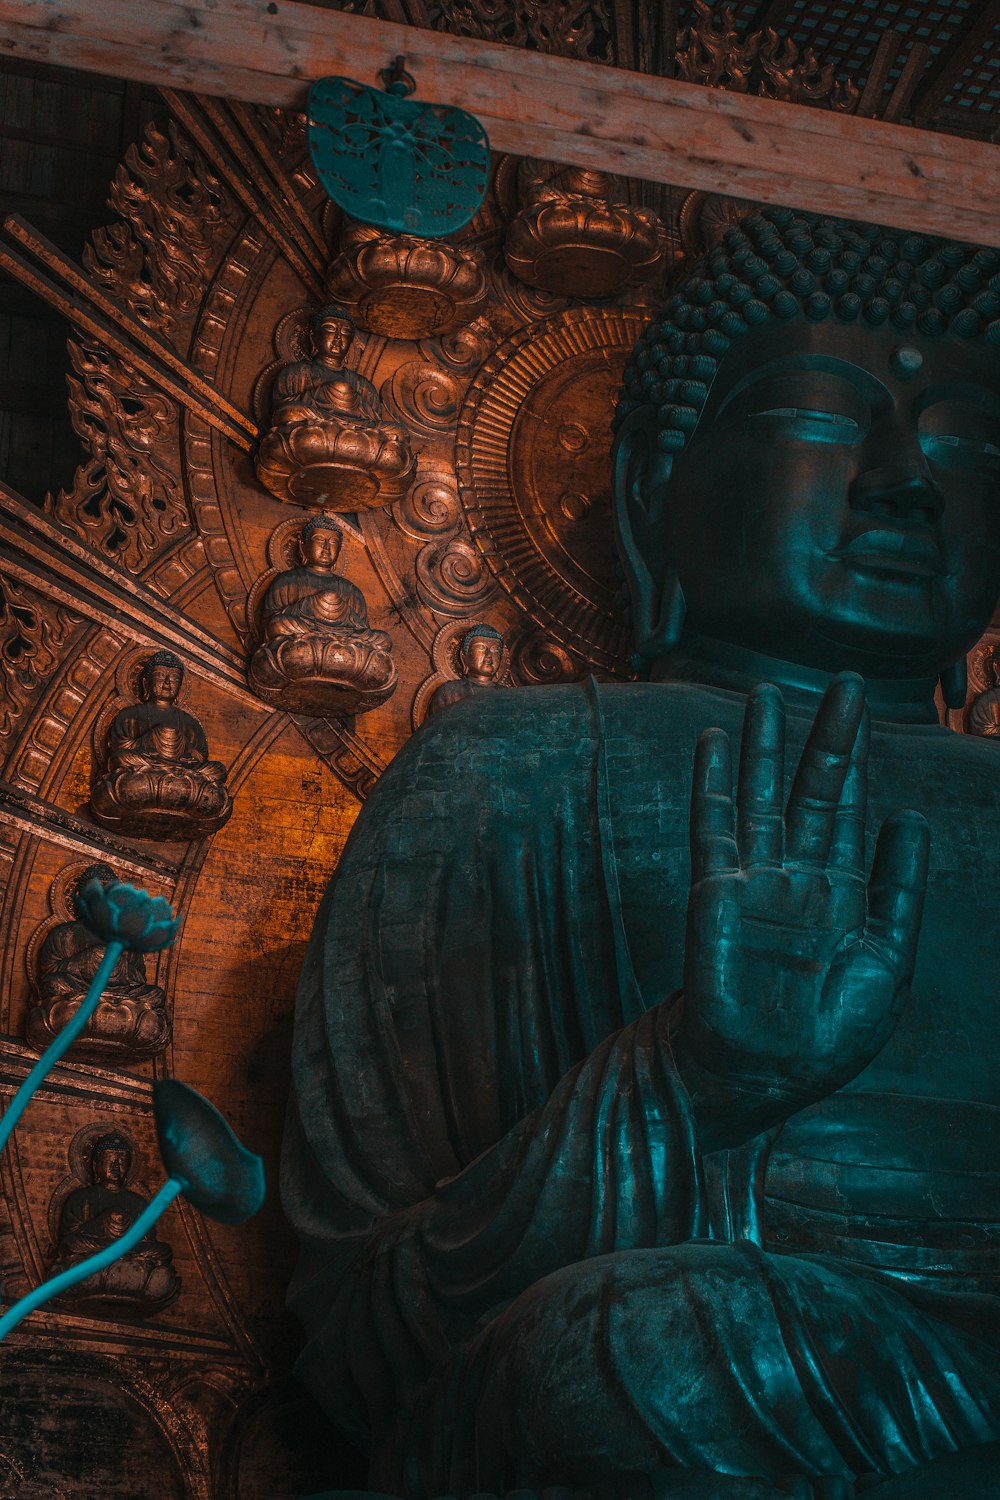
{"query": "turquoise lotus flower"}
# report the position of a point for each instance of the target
(122, 914)
(204, 1160)
(217, 1172)
(206, 1164)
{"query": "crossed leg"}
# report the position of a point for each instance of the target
(647, 1372)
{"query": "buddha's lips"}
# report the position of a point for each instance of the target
(895, 549)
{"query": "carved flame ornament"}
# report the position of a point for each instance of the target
(717, 55)
(384, 159)
(406, 286)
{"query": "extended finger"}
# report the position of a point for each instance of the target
(822, 770)
(713, 842)
(897, 886)
(759, 825)
(847, 846)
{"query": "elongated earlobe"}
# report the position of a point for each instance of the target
(642, 471)
(955, 683)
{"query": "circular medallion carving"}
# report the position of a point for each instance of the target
(533, 459)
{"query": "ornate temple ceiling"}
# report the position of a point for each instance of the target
(936, 65)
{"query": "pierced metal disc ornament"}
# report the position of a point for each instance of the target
(387, 160)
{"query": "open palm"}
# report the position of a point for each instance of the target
(796, 968)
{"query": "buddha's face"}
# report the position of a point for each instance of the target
(111, 1166)
(838, 503)
(334, 337)
(482, 657)
(321, 548)
(163, 683)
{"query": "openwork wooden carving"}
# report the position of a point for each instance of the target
(125, 500)
(571, 28)
(31, 635)
(174, 219)
(717, 54)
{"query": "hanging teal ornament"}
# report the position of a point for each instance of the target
(389, 161)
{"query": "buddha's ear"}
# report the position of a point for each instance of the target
(641, 476)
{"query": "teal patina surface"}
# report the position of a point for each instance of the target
(646, 1132)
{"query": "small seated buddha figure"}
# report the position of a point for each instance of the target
(93, 1217)
(318, 654)
(481, 657)
(159, 780)
(984, 711)
(329, 444)
(130, 1021)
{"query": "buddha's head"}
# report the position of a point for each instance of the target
(162, 677)
(320, 542)
(482, 653)
(111, 1160)
(807, 455)
(333, 333)
(101, 872)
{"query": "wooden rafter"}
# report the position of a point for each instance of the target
(585, 113)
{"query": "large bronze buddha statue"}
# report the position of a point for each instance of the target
(646, 1135)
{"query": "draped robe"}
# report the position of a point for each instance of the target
(517, 1268)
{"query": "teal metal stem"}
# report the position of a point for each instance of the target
(66, 1037)
(39, 1294)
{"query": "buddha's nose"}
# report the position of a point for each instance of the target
(895, 478)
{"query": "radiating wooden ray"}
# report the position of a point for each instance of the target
(37, 552)
(88, 308)
(241, 167)
(23, 813)
(53, 258)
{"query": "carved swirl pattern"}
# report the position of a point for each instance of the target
(423, 399)
(431, 509)
(539, 661)
(532, 456)
(463, 350)
(453, 579)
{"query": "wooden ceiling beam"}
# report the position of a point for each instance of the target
(268, 51)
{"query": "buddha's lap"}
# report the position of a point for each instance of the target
(706, 1351)
(164, 785)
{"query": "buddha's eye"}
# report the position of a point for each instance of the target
(960, 452)
(809, 426)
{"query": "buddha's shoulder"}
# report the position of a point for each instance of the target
(520, 735)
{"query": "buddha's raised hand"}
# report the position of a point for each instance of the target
(796, 968)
